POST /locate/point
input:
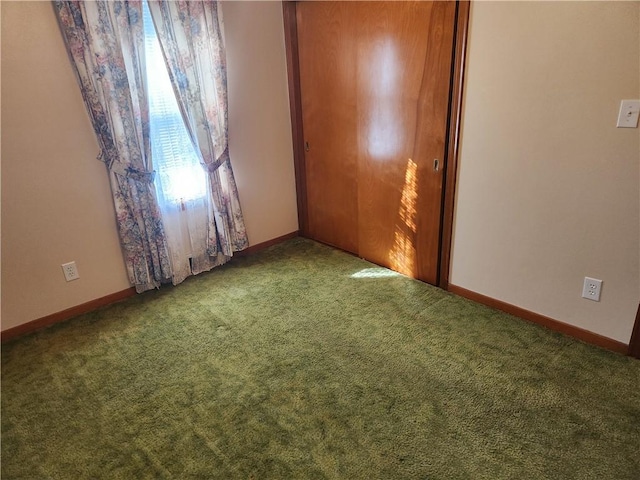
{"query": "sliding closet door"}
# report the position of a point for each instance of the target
(375, 79)
(328, 69)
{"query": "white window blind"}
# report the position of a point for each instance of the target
(179, 173)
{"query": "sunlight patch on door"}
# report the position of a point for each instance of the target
(402, 257)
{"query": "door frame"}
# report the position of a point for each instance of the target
(453, 129)
(634, 342)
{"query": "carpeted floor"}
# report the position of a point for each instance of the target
(302, 362)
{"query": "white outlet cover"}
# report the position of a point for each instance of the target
(591, 289)
(628, 115)
(70, 271)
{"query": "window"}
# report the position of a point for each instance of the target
(180, 177)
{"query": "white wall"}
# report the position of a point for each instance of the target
(548, 188)
(56, 204)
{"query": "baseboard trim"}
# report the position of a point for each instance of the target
(261, 246)
(87, 307)
(552, 324)
(58, 317)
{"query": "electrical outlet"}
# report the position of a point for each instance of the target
(591, 289)
(70, 271)
(628, 114)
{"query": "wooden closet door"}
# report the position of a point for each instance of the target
(375, 79)
(327, 51)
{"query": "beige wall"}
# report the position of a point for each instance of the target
(56, 204)
(548, 188)
(259, 122)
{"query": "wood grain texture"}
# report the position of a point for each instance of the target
(392, 50)
(375, 80)
(576, 332)
(431, 135)
(455, 121)
(295, 108)
(327, 50)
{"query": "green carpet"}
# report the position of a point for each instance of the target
(302, 362)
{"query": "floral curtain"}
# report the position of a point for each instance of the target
(192, 39)
(104, 41)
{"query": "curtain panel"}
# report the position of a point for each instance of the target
(104, 44)
(192, 37)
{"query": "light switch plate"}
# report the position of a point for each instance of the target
(628, 115)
